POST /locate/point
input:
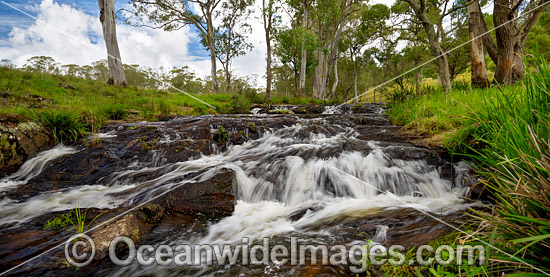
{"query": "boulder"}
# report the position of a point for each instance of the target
(20, 140)
(214, 197)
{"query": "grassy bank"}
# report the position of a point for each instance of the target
(72, 106)
(506, 131)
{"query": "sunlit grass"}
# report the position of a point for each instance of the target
(506, 131)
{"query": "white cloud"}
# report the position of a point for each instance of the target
(70, 36)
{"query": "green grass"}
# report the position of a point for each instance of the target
(72, 106)
(450, 116)
(434, 269)
(506, 131)
(515, 132)
(66, 126)
(96, 102)
(78, 220)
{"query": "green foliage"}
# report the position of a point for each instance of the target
(60, 221)
(74, 112)
(505, 130)
(79, 219)
(65, 125)
(515, 130)
(400, 94)
(115, 112)
(460, 85)
(222, 134)
(241, 104)
(435, 269)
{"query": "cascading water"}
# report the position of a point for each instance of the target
(307, 179)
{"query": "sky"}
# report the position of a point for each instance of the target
(70, 32)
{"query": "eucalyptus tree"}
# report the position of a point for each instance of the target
(230, 37)
(173, 15)
(43, 64)
(304, 55)
(107, 18)
(478, 68)
(430, 15)
(290, 44)
(514, 20)
(328, 20)
(268, 13)
(366, 26)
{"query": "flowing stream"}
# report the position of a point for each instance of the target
(315, 179)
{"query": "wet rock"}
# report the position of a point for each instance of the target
(67, 86)
(213, 197)
(20, 140)
(237, 137)
(150, 213)
(480, 191)
(132, 225)
(309, 109)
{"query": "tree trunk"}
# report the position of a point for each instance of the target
(479, 70)
(510, 39)
(303, 65)
(336, 80)
(442, 62)
(325, 62)
(296, 82)
(107, 18)
(320, 80)
(212, 48)
(355, 100)
(268, 73)
(267, 17)
(506, 41)
(435, 46)
(227, 80)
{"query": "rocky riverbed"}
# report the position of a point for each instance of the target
(330, 172)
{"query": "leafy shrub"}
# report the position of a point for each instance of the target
(65, 125)
(241, 104)
(400, 94)
(60, 221)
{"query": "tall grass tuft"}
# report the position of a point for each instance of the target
(79, 221)
(516, 132)
(65, 125)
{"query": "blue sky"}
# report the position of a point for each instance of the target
(72, 34)
(12, 18)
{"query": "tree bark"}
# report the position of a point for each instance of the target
(325, 61)
(435, 46)
(268, 21)
(479, 70)
(355, 69)
(303, 65)
(510, 39)
(336, 80)
(107, 18)
(506, 40)
(212, 48)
